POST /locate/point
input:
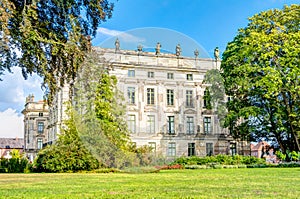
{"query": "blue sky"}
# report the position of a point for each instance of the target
(210, 23)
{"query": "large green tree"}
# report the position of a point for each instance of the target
(102, 124)
(68, 153)
(261, 72)
(50, 37)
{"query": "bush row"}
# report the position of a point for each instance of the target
(14, 165)
(219, 159)
(218, 166)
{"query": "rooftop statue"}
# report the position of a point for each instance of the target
(157, 49)
(140, 48)
(196, 53)
(117, 44)
(178, 50)
(217, 53)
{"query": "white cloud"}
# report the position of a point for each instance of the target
(14, 89)
(11, 124)
(125, 37)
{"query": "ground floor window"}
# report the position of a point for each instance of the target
(209, 149)
(232, 148)
(172, 149)
(131, 123)
(191, 149)
(152, 145)
(39, 143)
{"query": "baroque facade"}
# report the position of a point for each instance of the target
(165, 102)
(166, 108)
(36, 115)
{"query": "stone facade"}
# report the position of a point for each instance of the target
(36, 116)
(165, 105)
(57, 113)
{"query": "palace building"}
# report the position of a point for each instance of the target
(166, 108)
(36, 117)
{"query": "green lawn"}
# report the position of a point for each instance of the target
(211, 183)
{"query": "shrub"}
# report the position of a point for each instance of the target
(105, 170)
(230, 166)
(219, 159)
(195, 167)
(289, 164)
(141, 170)
(13, 165)
(168, 167)
(218, 166)
(242, 166)
(280, 155)
(248, 160)
(295, 155)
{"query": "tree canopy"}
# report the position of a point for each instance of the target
(261, 72)
(68, 153)
(50, 37)
(100, 106)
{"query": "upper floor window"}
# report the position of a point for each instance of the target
(131, 95)
(189, 98)
(131, 123)
(189, 76)
(150, 74)
(171, 125)
(131, 73)
(207, 124)
(207, 99)
(170, 97)
(150, 124)
(40, 127)
(190, 125)
(41, 114)
(170, 75)
(150, 96)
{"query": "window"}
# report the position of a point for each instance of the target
(172, 149)
(189, 76)
(152, 145)
(189, 98)
(191, 149)
(131, 123)
(150, 74)
(207, 125)
(207, 99)
(131, 73)
(209, 149)
(232, 148)
(40, 127)
(170, 75)
(131, 95)
(171, 129)
(170, 97)
(190, 125)
(40, 114)
(150, 95)
(150, 124)
(39, 143)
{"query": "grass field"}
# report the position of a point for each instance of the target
(211, 183)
